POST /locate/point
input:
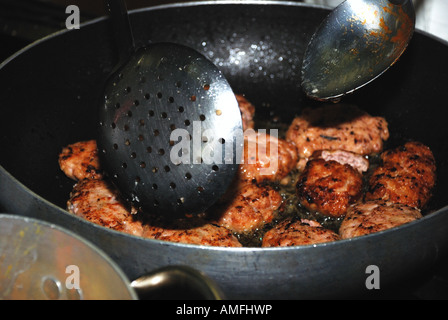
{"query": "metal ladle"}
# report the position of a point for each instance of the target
(356, 43)
(168, 126)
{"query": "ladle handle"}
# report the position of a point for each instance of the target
(122, 28)
(176, 282)
(398, 2)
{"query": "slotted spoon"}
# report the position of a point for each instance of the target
(169, 126)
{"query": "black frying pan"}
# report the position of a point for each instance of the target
(48, 92)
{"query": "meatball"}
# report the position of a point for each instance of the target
(357, 161)
(247, 111)
(297, 233)
(407, 176)
(267, 158)
(248, 208)
(192, 231)
(374, 216)
(329, 187)
(337, 127)
(99, 202)
(80, 160)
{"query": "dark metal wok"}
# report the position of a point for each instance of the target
(47, 96)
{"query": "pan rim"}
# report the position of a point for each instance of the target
(36, 196)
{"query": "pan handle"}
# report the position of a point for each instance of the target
(176, 283)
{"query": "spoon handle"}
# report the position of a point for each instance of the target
(398, 2)
(122, 28)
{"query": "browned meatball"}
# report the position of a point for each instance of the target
(337, 127)
(297, 233)
(357, 161)
(80, 160)
(267, 158)
(247, 209)
(247, 111)
(407, 176)
(192, 231)
(99, 202)
(329, 187)
(374, 216)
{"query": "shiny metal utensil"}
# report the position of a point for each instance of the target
(176, 282)
(357, 42)
(41, 261)
(168, 126)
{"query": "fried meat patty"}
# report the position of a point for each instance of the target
(297, 233)
(357, 161)
(407, 176)
(80, 161)
(247, 111)
(247, 209)
(192, 231)
(267, 158)
(337, 127)
(374, 216)
(99, 202)
(328, 187)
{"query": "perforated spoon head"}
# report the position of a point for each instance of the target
(170, 133)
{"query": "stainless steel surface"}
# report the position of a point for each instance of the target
(356, 43)
(169, 126)
(39, 260)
